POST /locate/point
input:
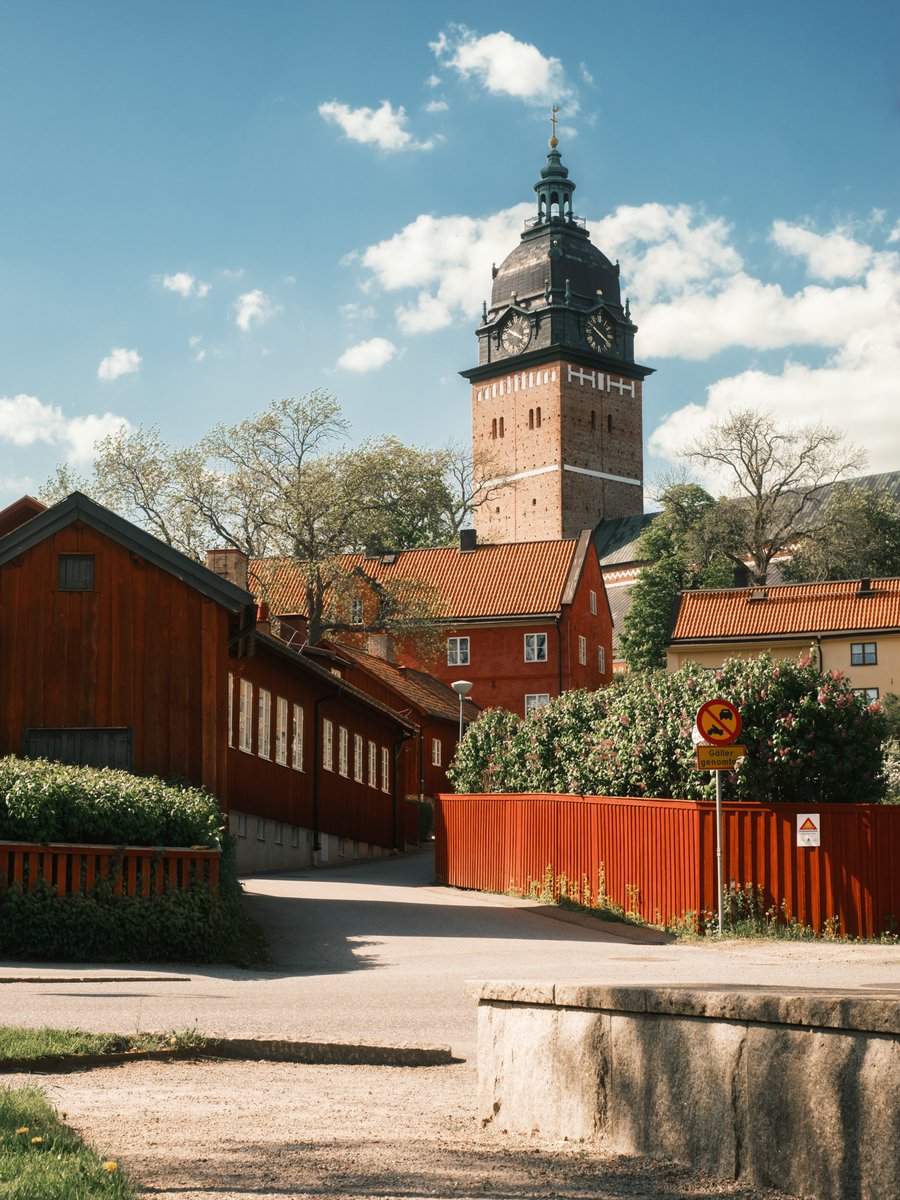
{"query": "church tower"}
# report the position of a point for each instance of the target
(556, 395)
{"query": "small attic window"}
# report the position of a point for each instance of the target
(388, 560)
(757, 594)
(75, 573)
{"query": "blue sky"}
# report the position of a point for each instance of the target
(207, 206)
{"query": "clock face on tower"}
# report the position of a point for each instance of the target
(600, 333)
(516, 334)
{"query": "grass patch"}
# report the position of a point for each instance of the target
(42, 1159)
(18, 1045)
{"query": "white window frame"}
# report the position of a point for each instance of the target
(242, 824)
(535, 647)
(279, 833)
(327, 744)
(435, 752)
(535, 700)
(871, 694)
(260, 829)
(358, 758)
(281, 731)
(264, 736)
(245, 717)
(593, 599)
(343, 751)
(582, 650)
(458, 652)
(385, 769)
(230, 708)
(356, 611)
(297, 739)
(601, 659)
(373, 765)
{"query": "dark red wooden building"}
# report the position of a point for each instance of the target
(119, 651)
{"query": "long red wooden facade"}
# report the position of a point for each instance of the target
(134, 870)
(657, 857)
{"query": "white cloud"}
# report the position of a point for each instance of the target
(504, 66)
(834, 255)
(186, 285)
(384, 127)
(367, 356)
(25, 420)
(854, 389)
(448, 260)
(436, 106)
(356, 312)
(119, 362)
(433, 81)
(254, 308)
(894, 235)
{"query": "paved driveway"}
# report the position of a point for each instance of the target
(375, 951)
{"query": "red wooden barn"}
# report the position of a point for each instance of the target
(118, 650)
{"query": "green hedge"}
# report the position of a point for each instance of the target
(50, 802)
(43, 801)
(809, 739)
(196, 926)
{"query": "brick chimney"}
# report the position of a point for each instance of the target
(232, 565)
(381, 645)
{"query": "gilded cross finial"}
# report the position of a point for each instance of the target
(554, 140)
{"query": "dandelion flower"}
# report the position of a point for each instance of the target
(22, 1129)
(36, 1141)
(110, 1166)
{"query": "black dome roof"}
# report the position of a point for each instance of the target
(549, 256)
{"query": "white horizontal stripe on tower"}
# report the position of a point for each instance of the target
(602, 475)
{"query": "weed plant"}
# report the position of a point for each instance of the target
(42, 1159)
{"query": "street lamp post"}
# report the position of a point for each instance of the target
(462, 687)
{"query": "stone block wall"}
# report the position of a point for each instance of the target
(799, 1092)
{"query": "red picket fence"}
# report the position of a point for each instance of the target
(658, 857)
(134, 870)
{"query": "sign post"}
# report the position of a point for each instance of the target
(717, 730)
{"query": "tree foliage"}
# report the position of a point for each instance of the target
(683, 554)
(810, 739)
(858, 538)
(282, 485)
(774, 473)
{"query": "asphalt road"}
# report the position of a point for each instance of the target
(375, 952)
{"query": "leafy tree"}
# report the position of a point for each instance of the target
(281, 485)
(775, 473)
(683, 554)
(858, 538)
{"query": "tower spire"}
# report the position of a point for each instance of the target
(554, 188)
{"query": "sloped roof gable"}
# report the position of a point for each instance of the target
(512, 579)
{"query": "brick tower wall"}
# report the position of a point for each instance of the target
(530, 424)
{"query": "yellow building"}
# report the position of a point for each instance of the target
(852, 626)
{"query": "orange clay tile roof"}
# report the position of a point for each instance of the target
(427, 693)
(518, 578)
(800, 608)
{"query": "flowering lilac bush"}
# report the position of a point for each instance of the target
(809, 739)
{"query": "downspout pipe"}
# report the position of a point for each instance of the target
(559, 656)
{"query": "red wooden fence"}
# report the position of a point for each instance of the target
(657, 857)
(134, 870)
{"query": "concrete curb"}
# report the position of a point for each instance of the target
(248, 1050)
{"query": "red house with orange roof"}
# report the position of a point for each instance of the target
(522, 621)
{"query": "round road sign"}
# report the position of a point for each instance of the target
(719, 722)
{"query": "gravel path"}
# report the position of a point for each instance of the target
(228, 1131)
